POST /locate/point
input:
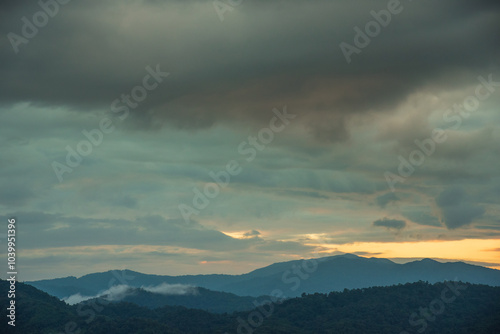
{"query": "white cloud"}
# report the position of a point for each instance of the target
(119, 292)
(76, 298)
(171, 289)
(115, 293)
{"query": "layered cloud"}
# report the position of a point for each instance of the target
(225, 72)
(390, 223)
(458, 208)
(318, 185)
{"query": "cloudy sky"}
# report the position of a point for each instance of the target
(182, 137)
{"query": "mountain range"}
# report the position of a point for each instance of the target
(291, 278)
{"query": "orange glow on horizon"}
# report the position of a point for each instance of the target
(477, 250)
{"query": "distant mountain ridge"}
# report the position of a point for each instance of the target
(292, 278)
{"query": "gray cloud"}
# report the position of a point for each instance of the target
(68, 231)
(421, 216)
(387, 198)
(390, 223)
(457, 208)
(14, 194)
(313, 194)
(252, 233)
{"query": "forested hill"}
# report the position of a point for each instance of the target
(420, 307)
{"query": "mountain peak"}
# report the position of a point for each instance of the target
(427, 260)
(350, 256)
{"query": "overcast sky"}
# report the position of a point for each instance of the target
(369, 127)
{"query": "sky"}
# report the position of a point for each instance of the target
(192, 137)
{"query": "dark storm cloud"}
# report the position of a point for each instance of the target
(458, 208)
(390, 223)
(265, 54)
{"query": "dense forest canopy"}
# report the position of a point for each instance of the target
(448, 307)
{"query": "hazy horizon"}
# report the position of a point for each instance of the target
(167, 273)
